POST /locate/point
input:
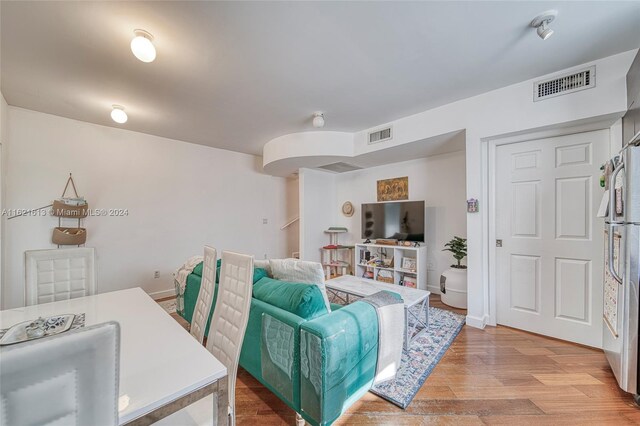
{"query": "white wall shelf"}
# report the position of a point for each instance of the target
(397, 253)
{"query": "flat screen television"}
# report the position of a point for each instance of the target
(396, 220)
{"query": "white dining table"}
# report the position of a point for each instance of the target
(162, 367)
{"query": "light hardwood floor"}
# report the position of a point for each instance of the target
(494, 376)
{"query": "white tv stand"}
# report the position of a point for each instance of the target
(398, 253)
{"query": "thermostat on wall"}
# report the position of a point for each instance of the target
(472, 205)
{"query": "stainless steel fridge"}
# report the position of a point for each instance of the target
(622, 272)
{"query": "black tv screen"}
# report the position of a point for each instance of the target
(397, 221)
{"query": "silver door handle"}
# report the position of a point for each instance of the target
(612, 269)
(612, 191)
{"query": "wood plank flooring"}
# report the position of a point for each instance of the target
(496, 376)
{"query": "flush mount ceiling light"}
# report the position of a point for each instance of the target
(318, 119)
(541, 23)
(118, 115)
(142, 46)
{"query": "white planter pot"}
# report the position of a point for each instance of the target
(453, 287)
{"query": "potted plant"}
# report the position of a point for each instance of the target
(453, 281)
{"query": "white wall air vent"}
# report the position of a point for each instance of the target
(340, 167)
(585, 79)
(380, 135)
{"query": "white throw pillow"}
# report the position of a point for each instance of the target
(300, 271)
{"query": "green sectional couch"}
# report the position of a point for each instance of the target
(318, 363)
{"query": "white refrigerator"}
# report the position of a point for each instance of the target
(622, 272)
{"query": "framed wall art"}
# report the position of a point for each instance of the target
(393, 189)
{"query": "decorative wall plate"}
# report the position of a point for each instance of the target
(348, 209)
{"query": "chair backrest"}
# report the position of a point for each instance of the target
(71, 378)
(205, 296)
(230, 316)
(59, 274)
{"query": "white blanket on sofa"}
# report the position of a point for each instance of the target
(390, 342)
(183, 272)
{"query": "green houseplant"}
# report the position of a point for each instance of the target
(453, 281)
(457, 246)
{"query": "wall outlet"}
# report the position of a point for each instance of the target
(156, 274)
(265, 221)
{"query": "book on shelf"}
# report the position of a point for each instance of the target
(375, 262)
(410, 282)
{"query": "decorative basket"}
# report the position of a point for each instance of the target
(64, 236)
(388, 280)
(72, 211)
(60, 209)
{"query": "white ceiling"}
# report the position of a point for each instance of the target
(436, 145)
(237, 74)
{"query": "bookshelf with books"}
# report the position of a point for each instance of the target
(392, 264)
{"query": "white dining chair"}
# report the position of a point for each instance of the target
(230, 317)
(226, 333)
(71, 378)
(205, 296)
(59, 274)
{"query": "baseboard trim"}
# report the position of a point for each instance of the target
(162, 294)
(476, 322)
(434, 289)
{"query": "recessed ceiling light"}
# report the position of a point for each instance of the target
(118, 115)
(318, 119)
(142, 46)
(541, 23)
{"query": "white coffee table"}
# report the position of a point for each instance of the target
(360, 287)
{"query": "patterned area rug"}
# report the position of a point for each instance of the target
(423, 355)
(168, 305)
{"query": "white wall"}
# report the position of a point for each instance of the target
(3, 117)
(317, 211)
(506, 111)
(4, 129)
(615, 138)
(179, 196)
(293, 211)
(438, 180)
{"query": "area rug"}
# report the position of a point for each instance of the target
(421, 358)
(168, 305)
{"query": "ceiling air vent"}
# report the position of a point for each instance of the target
(340, 167)
(380, 135)
(585, 79)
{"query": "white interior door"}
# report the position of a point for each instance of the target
(549, 269)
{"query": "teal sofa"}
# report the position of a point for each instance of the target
(318, 363)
